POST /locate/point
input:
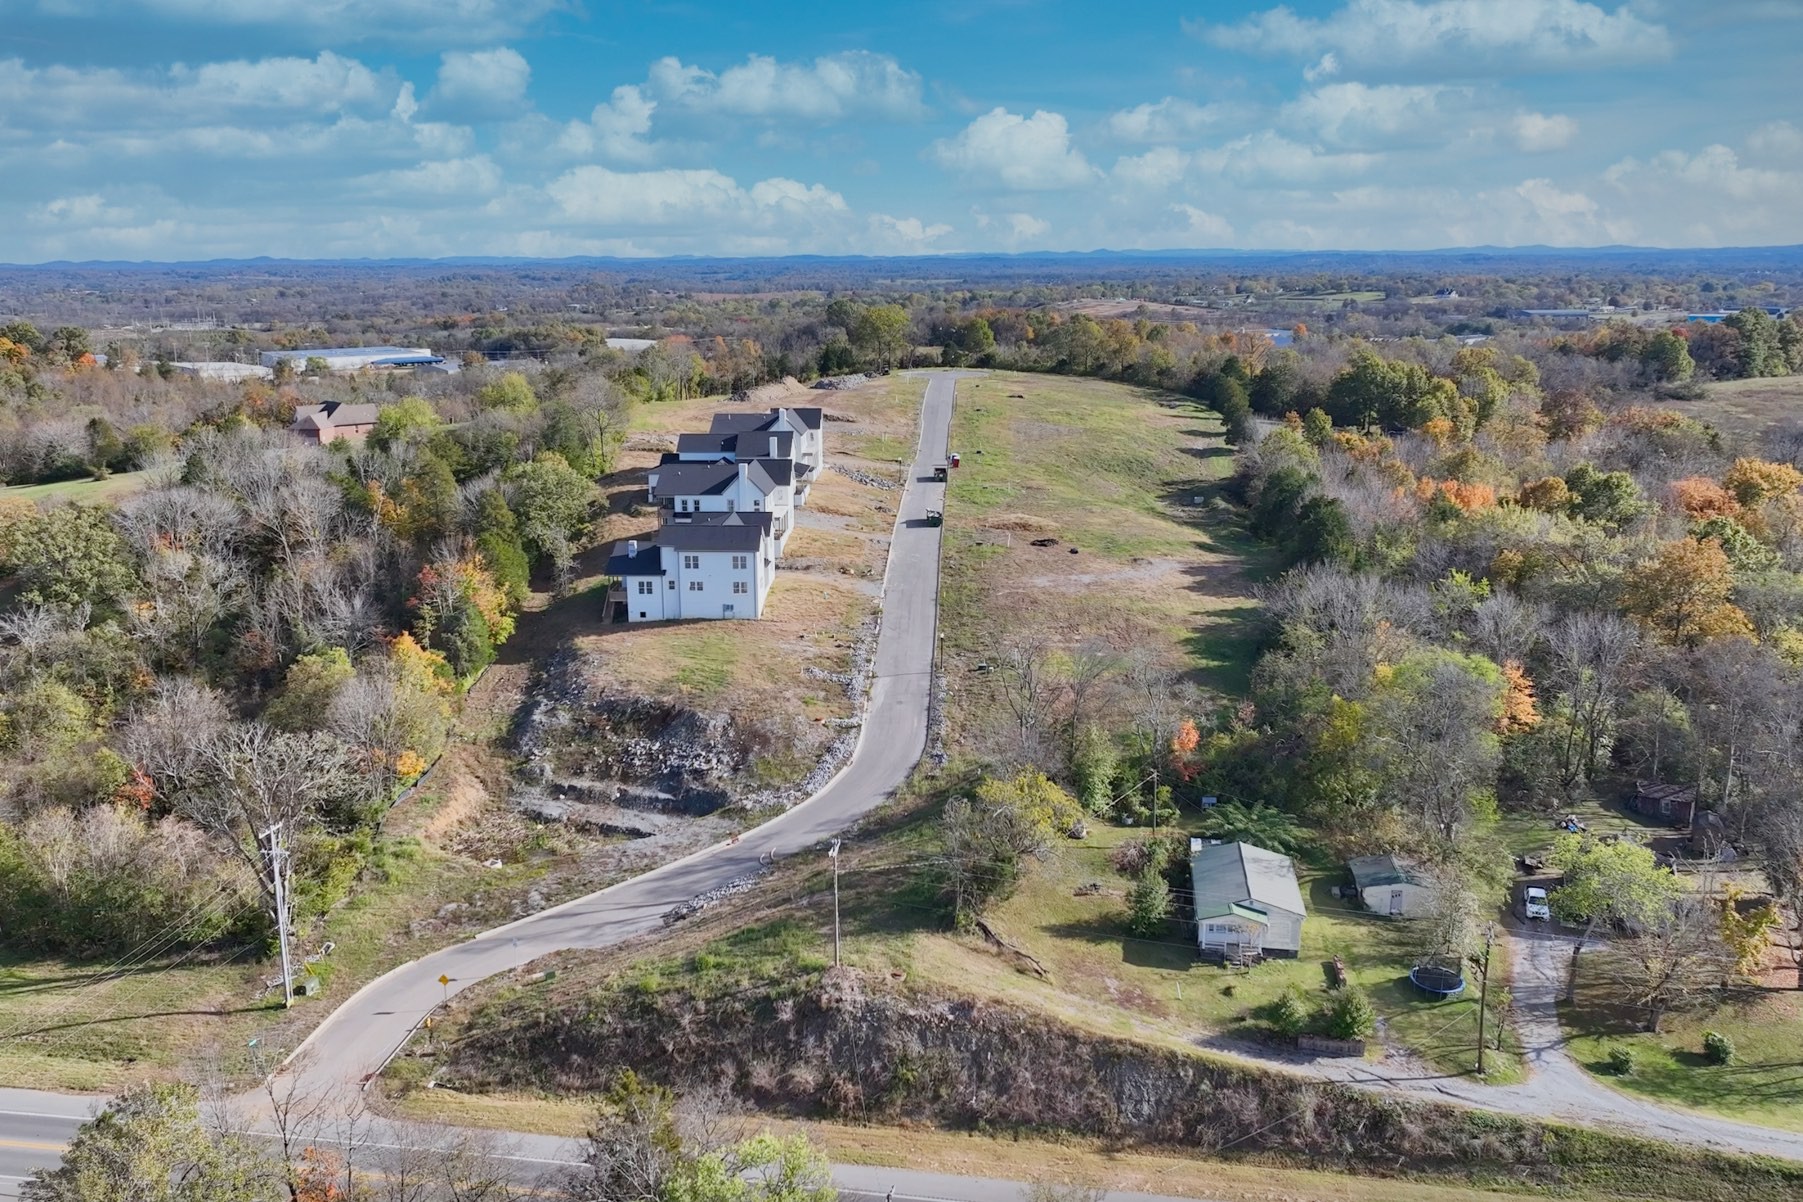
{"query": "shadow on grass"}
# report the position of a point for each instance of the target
(112, 1019)
(1103, 930)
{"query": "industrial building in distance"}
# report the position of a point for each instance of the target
(355, 358)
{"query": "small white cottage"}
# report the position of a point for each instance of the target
(1248, 904)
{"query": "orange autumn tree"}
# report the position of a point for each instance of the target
(1681, 594)
(1518, 713)
(461, 612)
(1468, 498)
(1702, 498)
(1183, 749)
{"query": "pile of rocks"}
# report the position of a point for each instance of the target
(868, 479)
(701, 901)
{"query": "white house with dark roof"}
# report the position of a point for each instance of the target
(700, 565)
(808, 448)
(749, 486)
(756, 444)
(1248, 904)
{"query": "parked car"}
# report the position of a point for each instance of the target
(1537, 909)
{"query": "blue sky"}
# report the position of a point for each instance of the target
(185, 129)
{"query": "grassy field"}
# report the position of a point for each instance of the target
(93, 1027)
(119, 484)
(1111, 473)
(1747, 407)
(1069, 914)
(1763, 1085)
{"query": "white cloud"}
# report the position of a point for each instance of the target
(107, 98)
(1027, 153)
(1172, 119)
(903, 235)
(1542, 131)
(471, 177)
(492, 79)
(1267, 157)
(828, 89)
(1154, 171)
(1453, 37)
(1325, 67)
(1778, 140)
(1203, 228)
(1363, 115)
(667, 197)
(456, 21)
(615, 130)
(1024, 227)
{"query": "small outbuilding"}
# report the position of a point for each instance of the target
(1675, 804)
(1390, 885)
(1248, 904)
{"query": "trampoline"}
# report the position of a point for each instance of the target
(1439, 981)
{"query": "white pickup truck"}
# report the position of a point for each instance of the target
(1536, 907)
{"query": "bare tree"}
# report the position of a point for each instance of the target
(1592, 657)
(1676, 960)
(168, 736)
(1023, 673)
(1505, 628)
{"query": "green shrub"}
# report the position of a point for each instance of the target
(1350, 1014)
(1717, 1048)
(1620, 1061)
(1148, 905)
(1289, 1013)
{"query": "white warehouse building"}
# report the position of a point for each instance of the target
(355, 358)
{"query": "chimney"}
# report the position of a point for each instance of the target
(632, 548)
(744, 469)
(773, 441)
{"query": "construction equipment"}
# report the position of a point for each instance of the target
(939, 472)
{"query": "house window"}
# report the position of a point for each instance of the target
(645, 586)
(695, 586)
(740, 561)
(691, 562)
(740, 587)
(682, 505)
(729, 506)
(757, 503)
(672, 586)
(1665, 807)
(1219, 928)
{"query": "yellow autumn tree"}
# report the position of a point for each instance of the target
(1519, 712)
(1756, 481)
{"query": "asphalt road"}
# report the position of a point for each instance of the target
(361, 1034)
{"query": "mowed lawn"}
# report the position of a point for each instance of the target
(1763, 1085)
(114, 487)
(1070, 913)
(1125, 482)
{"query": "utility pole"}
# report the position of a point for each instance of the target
(277, 855)
(834, 855)
(1483, 994)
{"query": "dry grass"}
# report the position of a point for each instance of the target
(1110, 472)
(1073, 1161)
(1747, 408)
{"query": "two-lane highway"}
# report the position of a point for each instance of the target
(356, 1040)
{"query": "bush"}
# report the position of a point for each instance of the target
(1148, 906)
(1620, 1061)
(1350, 1014)
(1289, 1013)
(1717, 1048)
(1154, 853)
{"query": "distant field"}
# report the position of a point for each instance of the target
(120, 484)
(1747, 407)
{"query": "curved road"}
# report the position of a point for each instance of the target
(358, 1037)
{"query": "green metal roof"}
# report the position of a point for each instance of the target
(1234, 910)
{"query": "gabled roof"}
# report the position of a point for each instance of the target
(1373, 871)
(1234, 910)
(1229, 873)
(762, 519)
(709, 537)
(807, 418)
(647, 562)
(708, 479)
(749, 444)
